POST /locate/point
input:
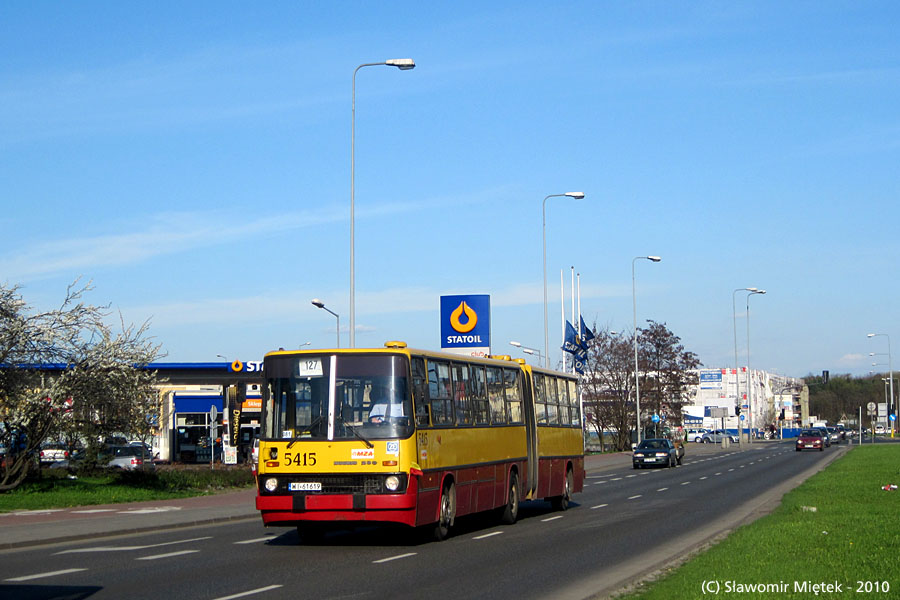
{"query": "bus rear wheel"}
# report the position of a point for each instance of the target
(511, 510)
(447, 512)
(562, 502)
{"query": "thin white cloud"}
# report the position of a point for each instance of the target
(851, 359)
(173, 233)
(294, 305)
(165, 235)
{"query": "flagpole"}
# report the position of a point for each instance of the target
(562, 314)
(578, 388)
(573, 311)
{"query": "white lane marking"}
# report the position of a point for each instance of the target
(629, 476)
(616, 479)
(730, 470)
(46, 511)
(599, 482)
(167, 555)
(719, 473)
(47, 574)
(389, 559)
(599, 506)
(265, 539)
(551, 518)
(487, 535)
(123, 548)
(633, 497)
(149, 510)
(249, 592)
(92, 511)
(685, 482)
(662, 489)
(702, 478)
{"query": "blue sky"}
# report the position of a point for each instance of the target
(193, 162)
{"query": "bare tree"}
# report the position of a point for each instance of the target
(608, 386)
(668, 370)
(65, 373)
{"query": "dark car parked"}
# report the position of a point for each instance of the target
(657, 452)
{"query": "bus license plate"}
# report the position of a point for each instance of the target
(312, 486)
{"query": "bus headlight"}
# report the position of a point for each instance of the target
(271, 484)
(392, 482)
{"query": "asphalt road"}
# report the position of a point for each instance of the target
(626, 524)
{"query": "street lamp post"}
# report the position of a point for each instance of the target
(577, 196)
(637, 384)
(527, 350)
(404, 64)
(319, 304)
(749, 389)
(737, 387)
(891, 408)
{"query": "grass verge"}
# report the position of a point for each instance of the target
(835, 536)
(57, 490)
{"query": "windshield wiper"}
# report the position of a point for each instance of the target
(356, 433)
(308, 429)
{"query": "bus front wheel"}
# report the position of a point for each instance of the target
(447, 512)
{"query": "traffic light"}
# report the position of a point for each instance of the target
(737, 410)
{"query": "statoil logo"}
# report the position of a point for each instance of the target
(465, 321)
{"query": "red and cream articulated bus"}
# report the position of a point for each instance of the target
(396, 435)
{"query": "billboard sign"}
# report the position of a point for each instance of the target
(711, 379)
(466, 324)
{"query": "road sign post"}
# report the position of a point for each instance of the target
(213, 415)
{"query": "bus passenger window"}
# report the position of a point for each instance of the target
(513, 391)
(575, 420)
(552, 401)
(419, 397)
(439, 393)
(540, 399)
(478, 395)
(460, 394)
(495, 395)
(564, 404)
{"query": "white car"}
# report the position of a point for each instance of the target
(694, 435)
(715, 437)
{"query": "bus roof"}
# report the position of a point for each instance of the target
(394, 347)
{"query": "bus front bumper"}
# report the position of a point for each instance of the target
(297, 508)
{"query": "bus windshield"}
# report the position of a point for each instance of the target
(368, 396)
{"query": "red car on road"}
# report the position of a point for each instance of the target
(811, 439)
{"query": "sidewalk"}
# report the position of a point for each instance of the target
(36, 527)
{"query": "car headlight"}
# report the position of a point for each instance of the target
(271, 484)
(392, 482)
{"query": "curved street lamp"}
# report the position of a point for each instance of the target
(637, 384)
(891, 409)
(527, 350)
(737, 387)
(404, 64)
(749, 391)
(577, 196)
(319, 304)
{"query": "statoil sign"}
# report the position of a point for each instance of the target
(466, 324)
